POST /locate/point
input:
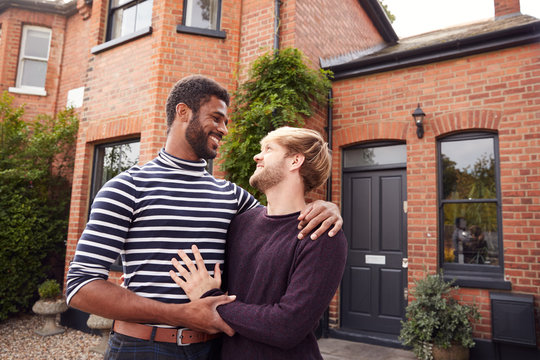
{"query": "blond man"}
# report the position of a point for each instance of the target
(282, 285)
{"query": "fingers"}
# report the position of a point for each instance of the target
(177, 279)
(217, 273)
(337, 226)
(190, 265)
(319, 219)
(321, 213)
(322, 229)
(179, 267)
(305, 214)
(198, 259)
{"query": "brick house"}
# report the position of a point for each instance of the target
(463, 197)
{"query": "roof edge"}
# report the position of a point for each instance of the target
(501, 39)
(66, 9)
(376, 13)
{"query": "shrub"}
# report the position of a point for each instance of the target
(36, 160)
(49, 289)
(282, 90)
(435, 317)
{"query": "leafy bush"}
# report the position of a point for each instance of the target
(434, 317)
(281, 91)
(49, 289)
(36, 162)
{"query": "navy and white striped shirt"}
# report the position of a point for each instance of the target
(149, 212)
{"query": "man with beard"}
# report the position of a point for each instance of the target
(149, 212)
(282, 285)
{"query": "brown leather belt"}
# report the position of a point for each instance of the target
(176, 336)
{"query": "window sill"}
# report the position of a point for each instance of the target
(28, 91)
(198, 31)
(478, 281)
(121, 40)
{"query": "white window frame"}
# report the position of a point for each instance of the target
(25, 89)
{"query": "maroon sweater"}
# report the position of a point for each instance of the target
(283, 286)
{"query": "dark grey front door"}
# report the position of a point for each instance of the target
(374, 213)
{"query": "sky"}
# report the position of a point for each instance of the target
(420, 16)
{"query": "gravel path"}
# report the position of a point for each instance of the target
(18, 341)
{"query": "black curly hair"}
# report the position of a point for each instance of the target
(194, 91)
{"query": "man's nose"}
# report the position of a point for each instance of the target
(222, 128)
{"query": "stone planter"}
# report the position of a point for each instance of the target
(104, 326)
(454, 352)
(49, 309)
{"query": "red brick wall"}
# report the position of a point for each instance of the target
(74, 60)
(256, 32)
(506, 7)
(496, 91)
(329, 28)
(12, 21)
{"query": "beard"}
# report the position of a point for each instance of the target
(198, 140)
(267, 177)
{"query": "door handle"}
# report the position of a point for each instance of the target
(405, 263)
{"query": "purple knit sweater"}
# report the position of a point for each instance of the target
(283, 286)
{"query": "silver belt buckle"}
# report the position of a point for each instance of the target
(179, 337)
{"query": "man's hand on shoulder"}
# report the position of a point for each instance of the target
(321, 213)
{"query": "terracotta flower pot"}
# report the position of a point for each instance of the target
(454, 352)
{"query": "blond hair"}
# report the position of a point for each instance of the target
(318, 160)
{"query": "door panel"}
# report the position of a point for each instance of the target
(375, 225)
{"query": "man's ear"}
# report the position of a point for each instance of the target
(296, 161)
(183, 112)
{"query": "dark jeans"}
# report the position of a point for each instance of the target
(122, 347)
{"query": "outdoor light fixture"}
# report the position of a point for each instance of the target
(418, 116)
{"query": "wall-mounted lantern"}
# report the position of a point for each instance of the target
(418, 116)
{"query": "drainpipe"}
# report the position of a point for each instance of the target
(329, 131)
(325, 326)
(277, 20)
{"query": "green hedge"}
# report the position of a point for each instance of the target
(36, 160)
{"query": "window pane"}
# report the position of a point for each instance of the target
(118, 158)
(34, 73)
(468, 169)
(37, 43)
(135, 16)
(144, 15)
(202, 14)
(470, 233)
(382, 155)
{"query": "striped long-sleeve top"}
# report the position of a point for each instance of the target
(145, 215)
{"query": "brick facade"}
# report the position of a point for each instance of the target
(12, 21)
(493, 91)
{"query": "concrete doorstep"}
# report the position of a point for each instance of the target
(335, 349)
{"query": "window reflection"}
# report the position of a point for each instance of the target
(110, 160)
(128, 16)
(202, 14)
(471, 234)
(470, 229)
(468, 169)
(380, 155)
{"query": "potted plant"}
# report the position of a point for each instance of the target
(49, 305)
(437, 325)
